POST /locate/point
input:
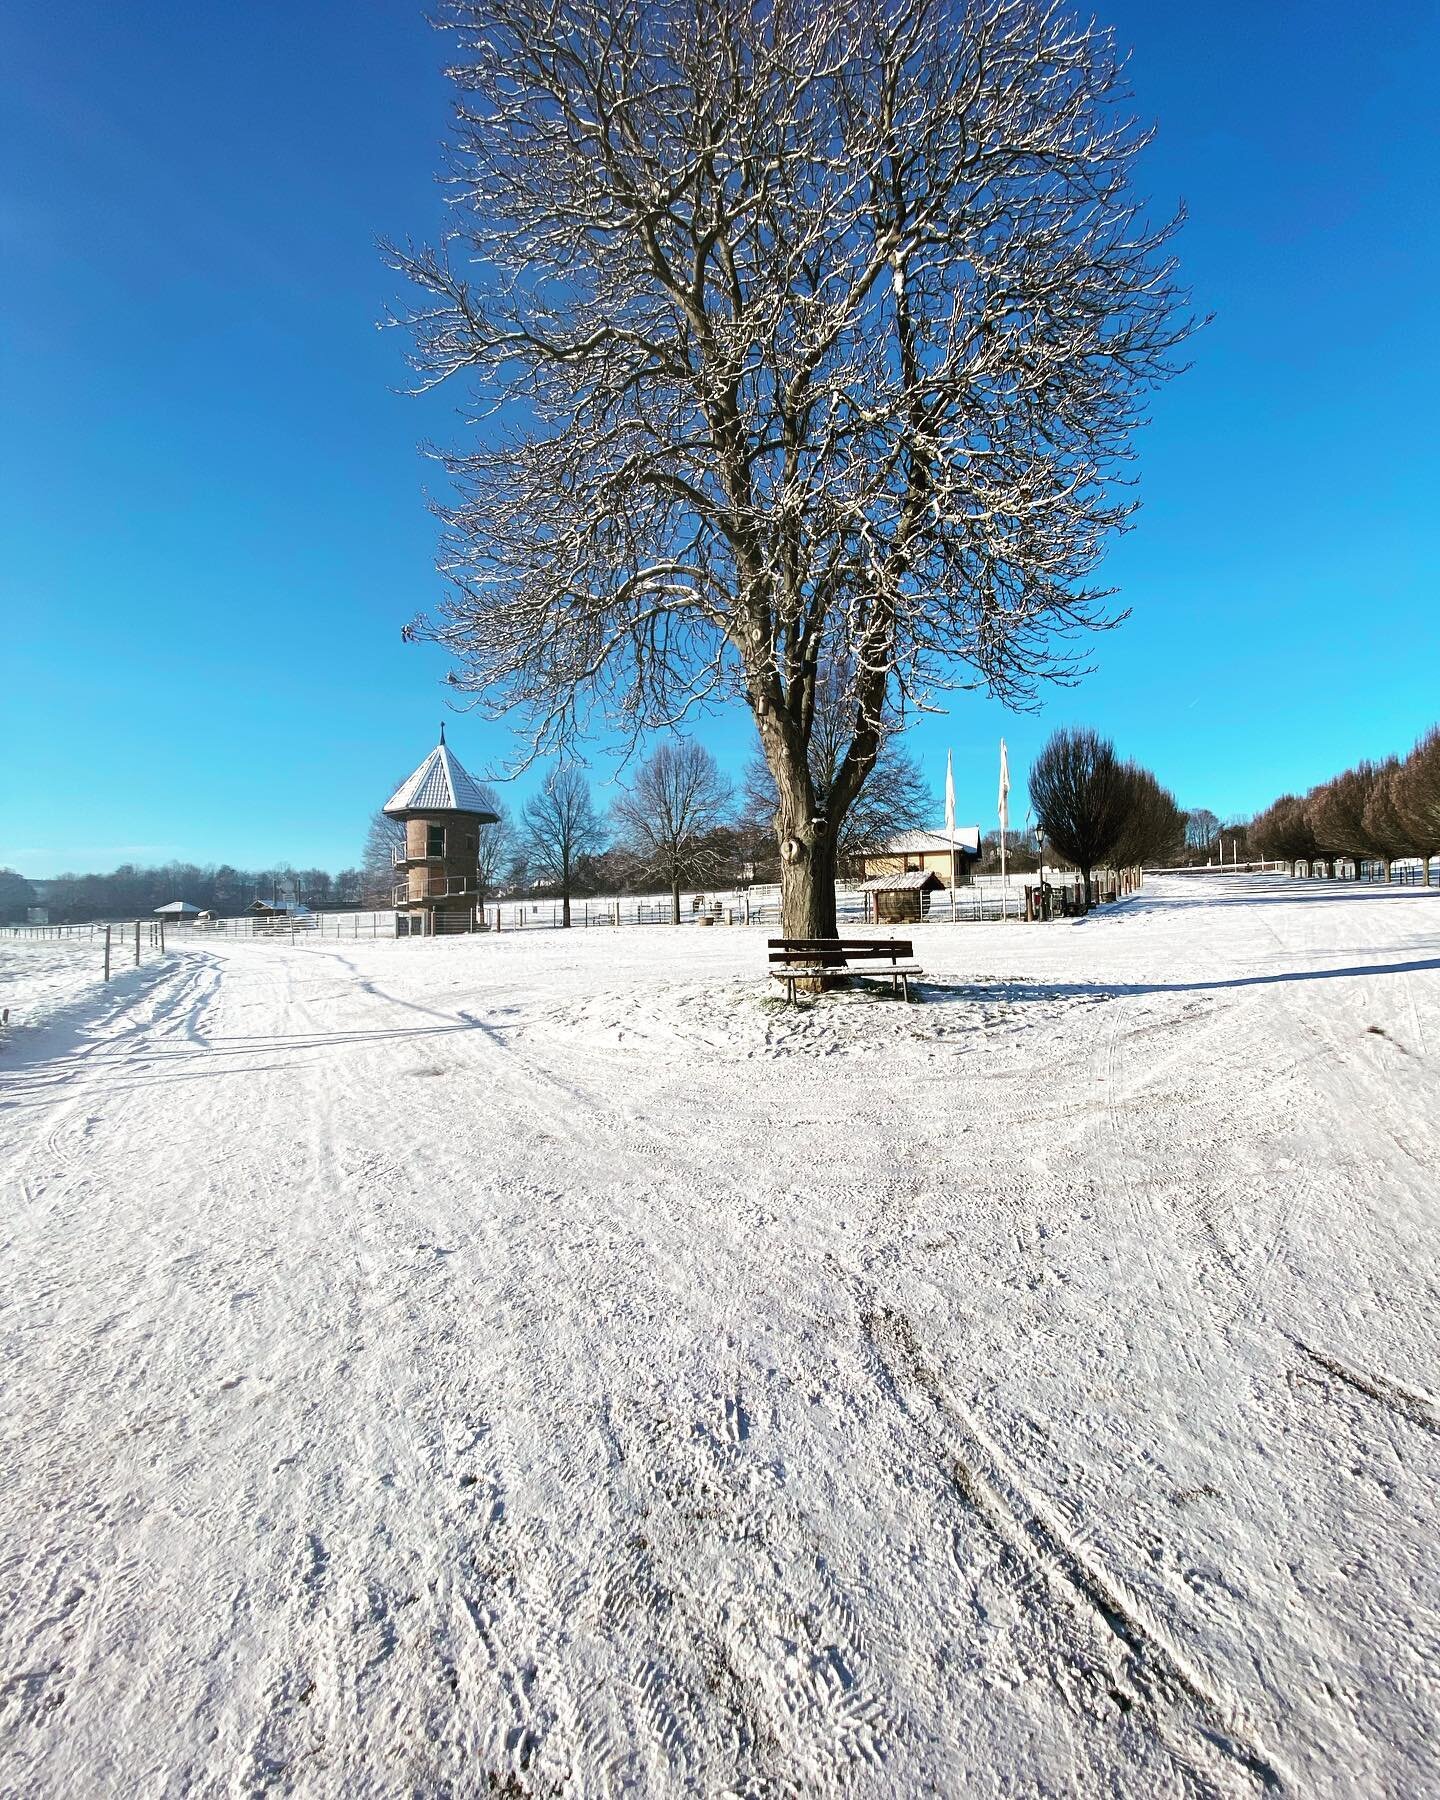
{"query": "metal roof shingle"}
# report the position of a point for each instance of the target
(440, 784)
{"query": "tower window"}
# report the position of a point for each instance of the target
(434, 840)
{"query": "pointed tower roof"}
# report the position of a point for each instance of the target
(440, 784)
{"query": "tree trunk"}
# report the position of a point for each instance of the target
(675, 898)
(1085, 881)
(565, 909)
(806, 841)
(807, 883)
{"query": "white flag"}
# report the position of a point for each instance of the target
(1004, 788)
(949, 796)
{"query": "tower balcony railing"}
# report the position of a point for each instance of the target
(434, 887)
(402, 859)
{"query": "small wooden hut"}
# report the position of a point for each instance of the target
(899, 897)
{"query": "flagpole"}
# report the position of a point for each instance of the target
(1003, 808)
(950, 825)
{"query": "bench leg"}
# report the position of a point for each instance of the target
(905, 983)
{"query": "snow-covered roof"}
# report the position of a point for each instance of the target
(901, 882)
(440, 784)
(291, 908)
(178, 909)
(914, 843)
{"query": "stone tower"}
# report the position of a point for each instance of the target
(443, 811)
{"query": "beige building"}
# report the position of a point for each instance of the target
(925, 853)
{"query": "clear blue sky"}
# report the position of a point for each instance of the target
(212, 510)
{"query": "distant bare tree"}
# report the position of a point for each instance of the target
(1283, 831)
(1201, 827)
(1417, 795)
(16, 895)
(1336, 811)
(1152, 825)
(669, 817)
(1022, 851)
(561, 827)
(836, 325)
(384, 838)
(497, 846)
(1078, 792)
(1384, 824)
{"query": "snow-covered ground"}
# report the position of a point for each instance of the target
(43, 979)
(543, 1364)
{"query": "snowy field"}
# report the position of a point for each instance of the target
(45, 979)
(541, 1364)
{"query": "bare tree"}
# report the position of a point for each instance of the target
(1336, 811)
(561, 827)
(1417, 796)
(16, 895)
(1078, 792)
(1201, 827)
(1384, 824)
(1283, 830)
(670, 816)
(496, 848)
(835, 325)
(895, 796)
(1152, 828)
(384, 838)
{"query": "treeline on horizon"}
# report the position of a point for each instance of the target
(679, 820)
(133, 892)
(1382, 811)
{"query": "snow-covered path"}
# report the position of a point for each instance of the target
(541, 1364)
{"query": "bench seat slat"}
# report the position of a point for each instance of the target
(786, 971)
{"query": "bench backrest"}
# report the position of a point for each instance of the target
(809, 950)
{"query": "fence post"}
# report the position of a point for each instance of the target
(107, 952)
(137, 943)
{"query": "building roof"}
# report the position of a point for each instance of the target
(178, 909)
(290, 908)
(440, 784)
(915, 843)
(901, 881)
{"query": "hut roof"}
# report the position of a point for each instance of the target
(902, 881)
(178, 909)
(440, 784)
(290, 908)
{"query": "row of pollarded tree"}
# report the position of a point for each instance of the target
(1380, 812)
(1097, 811)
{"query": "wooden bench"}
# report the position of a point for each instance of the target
(804, 958)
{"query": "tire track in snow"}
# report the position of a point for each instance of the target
(1420, 1409)
(1159, 1673)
